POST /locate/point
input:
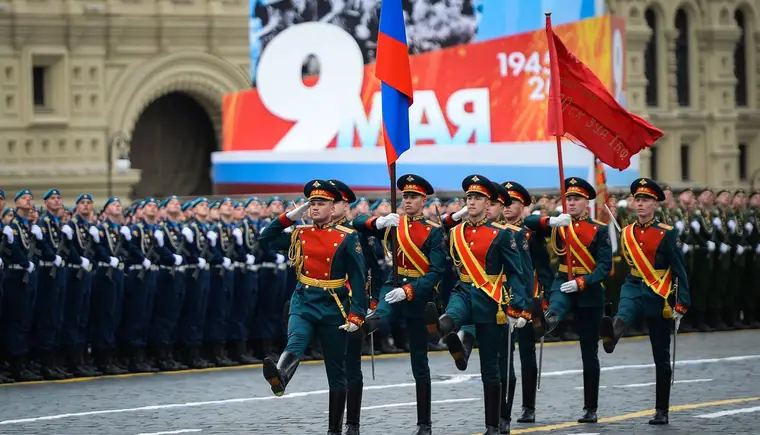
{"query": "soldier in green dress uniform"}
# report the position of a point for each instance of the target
(652, 249)
(752, 309)
(580, 290)
(488, 259)
(327, 259)
(703, 257)
(721, 294)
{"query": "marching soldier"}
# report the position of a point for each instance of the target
(20, 286)
(197, 281)
(420, 262)
(140, 287)
(721, 293)
(108, 284)
(652, 249)
(326, 258)
(489, 263)
(580, 290)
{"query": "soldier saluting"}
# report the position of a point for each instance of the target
(654, 253)
(326, 258)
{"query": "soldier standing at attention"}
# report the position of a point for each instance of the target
(652, 249)
(587, 242)
(420, 261)
(354, 377)
(489, 264)
(326, 259)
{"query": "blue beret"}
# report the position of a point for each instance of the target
(379, 202)
(110, 200)
(171, 198)
(226, 199)
(7, 211)
(358, 200)
(186, 205)
(51, 192)
(199, 200)
(432, 200)
(273, 199)
(453, 201)
(238, 204)
(250, 200)
(214, 204)
(2, 193)
(84, 196)
(21, 193)
(148, 200)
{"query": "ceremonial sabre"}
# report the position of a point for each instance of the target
(675, 335)
(540, 363)
(509, 348)
(372, 353)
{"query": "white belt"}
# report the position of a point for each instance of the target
(219, 266)
(177, 268)
(16, 267)
(141, 267)
(104, 264)
(246, 266)
(269, 265)
(47, 264)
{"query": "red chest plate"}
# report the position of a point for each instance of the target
(479, 240)
(418, 232)
(649, 239)
(585, 231)
(318, 246)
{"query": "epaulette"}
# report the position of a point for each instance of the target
(344, 229)
(664, 226)
(304, 226)
(597, 222)
(432, 223)
(500, 226)
(514, 228)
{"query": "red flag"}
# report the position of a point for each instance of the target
(601, 193)
(589, 114)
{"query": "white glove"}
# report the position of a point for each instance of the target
(387, 221)
(8, 231)
(518, 322)
(739, 250)
(562, 220)
(717, 223)
(66, 230)
(188, 233)
(724, 248)
(126, 233)
(159, 236)
(388, 258)
(85, 264)
(226, 263)
(177, 260)
(569, 287)
(114, 262)
(370, 311)
(249, 259)
(37, 232)
(622, 203)
(679, 226)
(685, 248)
(757, 249)
(30, 269)
(349, 327)
(238, 235)
(288, 230)
(536, 212)
(748, 227)
(1, 263)
(146, 263)
(201, 262)
(460, 214)
(280, 259)
(677, 317)
(396, 295)
(710, 246)
(695, 225)
(58, 261)
(298, 212)
(95, 235)
(212, 236)
(521, 322)
(732, 226)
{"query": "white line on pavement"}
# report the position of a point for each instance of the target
(650, 384)
(171, 432)
(457, 379)
(731, 412)
(399, 405)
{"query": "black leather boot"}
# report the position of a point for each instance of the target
(138, 363)
(492, 399)
(335, 411)
(660, 418)
(424, 422)
(544, 324)
(461, 349)
(20, 370)
(278, 375)
(431, 321)
(507, 400)
(353, 408)
(220, 357)
(240, 354)
(590, 397)
(610, 331)
(48, 368)
(529, 379)
(662, 398)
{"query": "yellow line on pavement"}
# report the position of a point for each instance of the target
(631, 416)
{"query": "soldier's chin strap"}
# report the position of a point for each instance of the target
(675, 335)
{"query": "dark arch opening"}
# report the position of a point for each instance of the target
(172, 144)
(740, 61)
(682, 59)
(650, 60)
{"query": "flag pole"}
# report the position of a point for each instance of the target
(558, 115)
(394, 242)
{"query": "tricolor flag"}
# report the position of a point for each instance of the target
(393, 70)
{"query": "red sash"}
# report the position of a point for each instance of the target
(410, 250)
(658, 284)
(577, 249)
(474, 269)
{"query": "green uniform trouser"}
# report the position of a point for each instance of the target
(301, 329)
(613, 283)
(354, 376)
(650, 306)
(700, 282)
(489, 337)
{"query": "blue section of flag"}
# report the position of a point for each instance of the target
(396, 119)
(392, 20)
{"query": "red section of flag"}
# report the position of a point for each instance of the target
(589, 114)
(601, 193)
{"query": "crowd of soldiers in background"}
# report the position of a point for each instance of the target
(166, 285)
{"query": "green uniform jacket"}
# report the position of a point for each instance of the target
(592, 293)
(335, 247)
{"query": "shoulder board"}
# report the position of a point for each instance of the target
(597, 222)
(432, 223)
(664, 226)
(500, 226)
(304, 226)
(344, 229)
(514, 228)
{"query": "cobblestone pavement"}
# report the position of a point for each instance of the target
(717, 389)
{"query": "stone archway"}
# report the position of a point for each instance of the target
(171, 145)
